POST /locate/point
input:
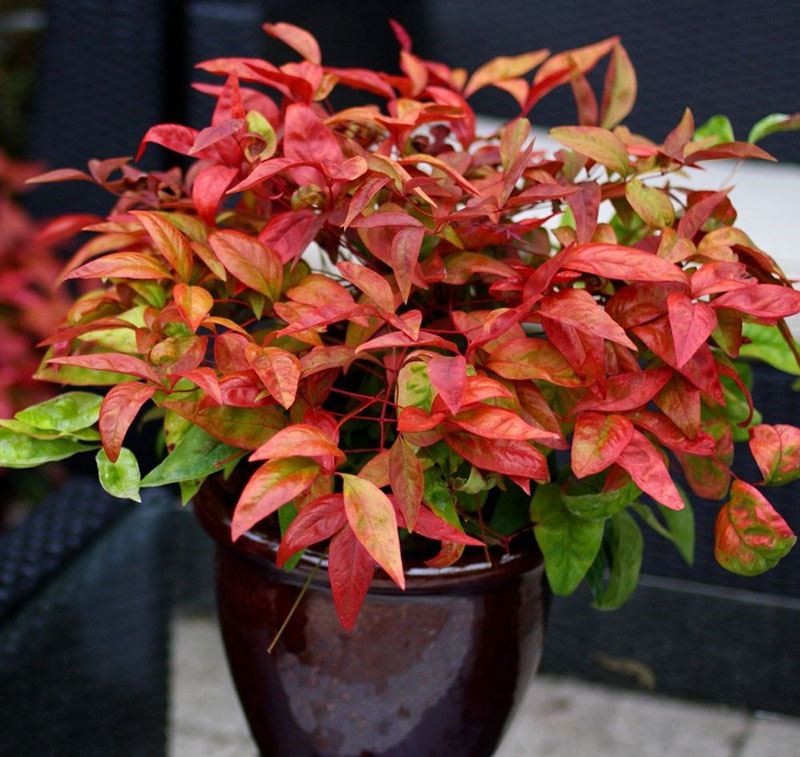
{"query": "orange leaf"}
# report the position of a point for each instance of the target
(371, 516)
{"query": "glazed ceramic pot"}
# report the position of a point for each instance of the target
(433, 670)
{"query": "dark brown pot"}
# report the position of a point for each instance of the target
(430, 671)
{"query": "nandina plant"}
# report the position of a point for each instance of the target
(421, 335)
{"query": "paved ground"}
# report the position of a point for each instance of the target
(558, 718)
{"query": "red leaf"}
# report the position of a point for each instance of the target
(697, 214)
(449, 376)
(512, 458)
(194, 304)
(691, 324)
(362, 78)
(174, 137)
(679, 137)
(209, 187)
(371, 516)
(317, 521)
(777, 452)
(307, 138)
(648, 471)
(385, 218)
(479, 388)
(636, 304)
(668, 434)
(720, 276)
(110, 361)
(206, 379)
(249, 261)
(619, 92)
(612, 261)
(699, 368)
(289, 234)
(364, 197)
(680, 402)
(504, 67)
(299, 440)
(371, 283)
(406, 479)
(530, 358)
(497, 423)
(298, 39)
(270, 487)
(769, 301)
(577, 308)
(60, 174)
(399, 339)
(122, 265)
(432, 526)
(598, 441)
(750, 536)
(376, 469)
(406, 245)
(738, 150)
(173, 245)
(324, 358)
(214, 134)
(278, 369)
(416, 419)
(626, 391)
(584, 205)
(537, 412)
(460, 266)
(245, 427)
(120, 406)
(710, 477)
(350, 570)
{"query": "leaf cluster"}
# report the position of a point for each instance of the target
(401, 322)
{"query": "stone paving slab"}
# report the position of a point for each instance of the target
(556, 718)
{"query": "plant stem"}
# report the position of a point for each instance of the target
(296, 604)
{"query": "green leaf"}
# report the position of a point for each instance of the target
(18, 427)
(750, 536)
(569, 543)
(598, 144)
(120, 479)
(257, 124)
(414, 386)
(22, 451)
(681, 527)
(197, 454)
(510, 513)
(438, 496)
(718, 127)
(768, 344)
(190, 488)
(652, 205)
(286, 515)
(772, 124)
(75, 376)
(67, 412)
(626, 548)
(585, 499)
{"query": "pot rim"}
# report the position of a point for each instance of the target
(212, 508)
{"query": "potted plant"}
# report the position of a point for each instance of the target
(382, 345)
